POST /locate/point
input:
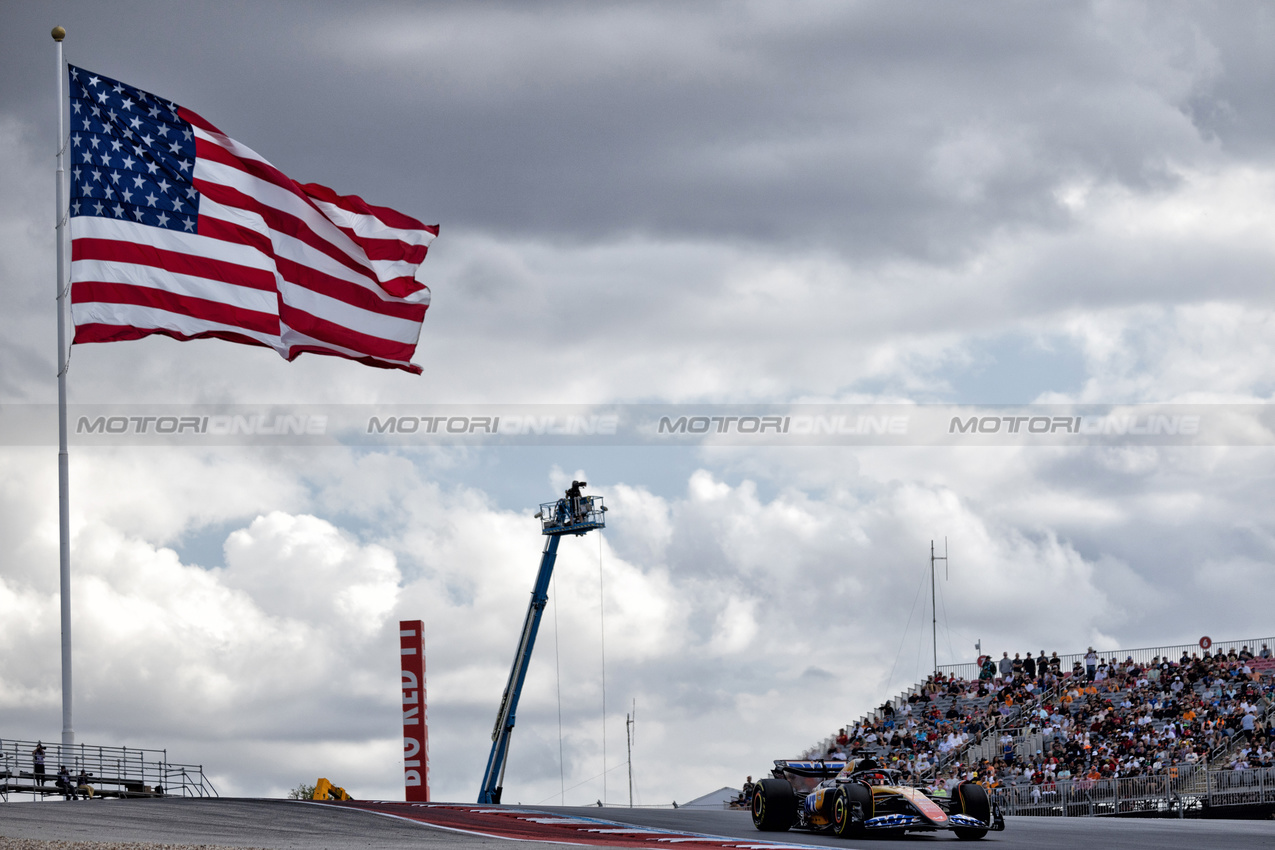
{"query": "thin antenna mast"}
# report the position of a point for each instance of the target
(628, 728)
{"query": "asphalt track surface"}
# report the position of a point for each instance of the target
(287, 825)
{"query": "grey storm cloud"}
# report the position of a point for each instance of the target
(877, 130)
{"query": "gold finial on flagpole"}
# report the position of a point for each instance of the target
(59, 33)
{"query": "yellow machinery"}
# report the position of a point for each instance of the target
(325, 790)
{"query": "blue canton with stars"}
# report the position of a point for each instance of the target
(132, 157)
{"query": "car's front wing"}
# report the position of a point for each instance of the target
(905, 821)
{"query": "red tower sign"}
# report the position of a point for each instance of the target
(411, 647)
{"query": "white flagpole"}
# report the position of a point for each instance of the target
(64, 503)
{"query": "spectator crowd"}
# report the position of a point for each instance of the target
(1028, 721)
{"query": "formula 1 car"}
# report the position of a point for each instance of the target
(859, 797)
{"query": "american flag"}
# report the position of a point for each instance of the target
(177, 229)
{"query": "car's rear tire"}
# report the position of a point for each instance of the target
(847, 818)
(774, 805)
(971, 799)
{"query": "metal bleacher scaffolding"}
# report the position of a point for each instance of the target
(970, 672)
(111, 771)
(1177, 788)
(1142, 655)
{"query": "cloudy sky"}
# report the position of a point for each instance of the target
(683, 203)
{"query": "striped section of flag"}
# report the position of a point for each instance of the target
(179, 230)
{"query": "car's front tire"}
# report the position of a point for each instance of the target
(850, 808)
(774, 805)
(971, 799)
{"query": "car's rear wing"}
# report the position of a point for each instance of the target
(814, 767)
(804, 775)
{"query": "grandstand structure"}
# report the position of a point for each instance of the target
(1154, 730)
(111, 772)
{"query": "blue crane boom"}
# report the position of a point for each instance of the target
(573, 514)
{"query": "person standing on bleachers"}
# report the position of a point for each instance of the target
(1091, 663)
(1006, 666)
(1247, 723)
(37, 760)
(1029, 666)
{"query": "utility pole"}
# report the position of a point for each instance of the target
(934, 611)
(629, 720)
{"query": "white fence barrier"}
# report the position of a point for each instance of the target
(1181, 790)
